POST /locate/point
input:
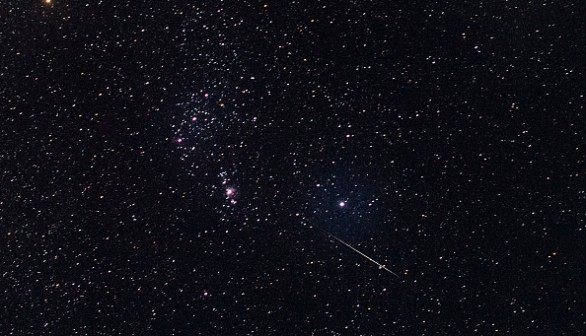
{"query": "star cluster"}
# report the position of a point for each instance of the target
(307, 167)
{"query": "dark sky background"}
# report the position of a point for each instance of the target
(169, 168)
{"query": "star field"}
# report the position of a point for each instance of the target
(292, 168)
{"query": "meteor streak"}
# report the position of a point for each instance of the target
(380, 266)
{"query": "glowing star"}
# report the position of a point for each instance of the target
(342, 204)
(230, 192)
(48, 2)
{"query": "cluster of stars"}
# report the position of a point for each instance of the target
(229, 191)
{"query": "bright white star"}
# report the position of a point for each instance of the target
(230, 192)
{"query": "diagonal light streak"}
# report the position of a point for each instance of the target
(380, 266)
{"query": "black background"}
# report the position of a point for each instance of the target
(454, 132)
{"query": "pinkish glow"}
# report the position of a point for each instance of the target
(230, 192)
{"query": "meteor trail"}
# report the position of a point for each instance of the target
(380, 266)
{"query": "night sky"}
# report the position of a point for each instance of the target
(292, 168)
